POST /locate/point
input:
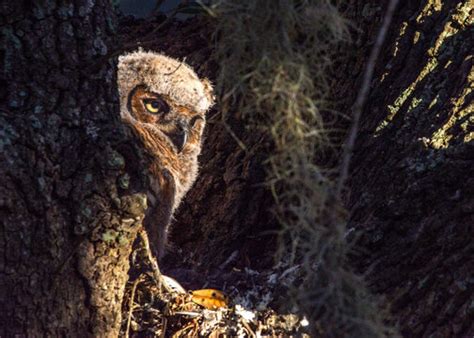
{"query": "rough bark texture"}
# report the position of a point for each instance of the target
(413, 170)
(69, 201)
(68, 216)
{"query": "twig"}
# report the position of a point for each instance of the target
(229, 260)
(130, 305)
(234, 136)
(176, 69)
(182, 332)
(164, 327)
(362, 96)
(153, 262)
(249, 329)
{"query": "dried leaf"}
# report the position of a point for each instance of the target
(209, 298)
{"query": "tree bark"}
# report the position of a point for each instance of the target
(412, 181)
(70, 201)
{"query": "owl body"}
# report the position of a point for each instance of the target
(164, 102)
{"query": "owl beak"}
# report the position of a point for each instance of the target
(179, 137)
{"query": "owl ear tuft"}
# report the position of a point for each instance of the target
(208, 91)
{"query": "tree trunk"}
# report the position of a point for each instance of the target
(413, 170)
(69, 203)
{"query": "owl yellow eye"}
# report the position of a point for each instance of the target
(156, 106)
(152, 108)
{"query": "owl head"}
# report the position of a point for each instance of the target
(165, 96)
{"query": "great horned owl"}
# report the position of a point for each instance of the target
(165, 103)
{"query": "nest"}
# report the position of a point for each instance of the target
(153, 309)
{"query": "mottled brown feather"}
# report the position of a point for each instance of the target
(145, 76)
